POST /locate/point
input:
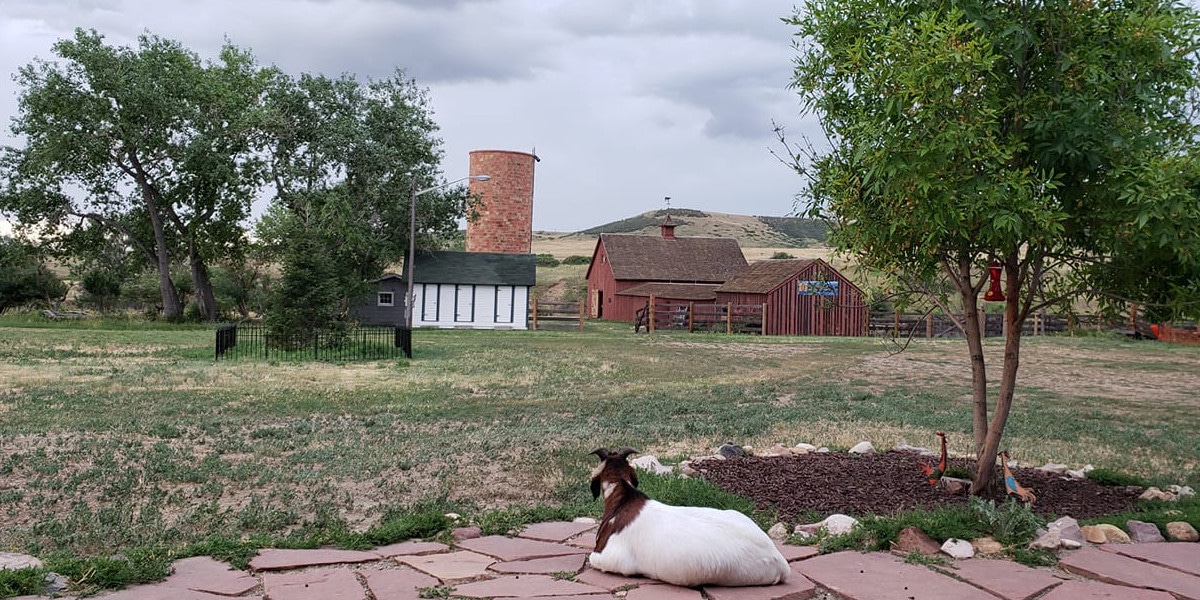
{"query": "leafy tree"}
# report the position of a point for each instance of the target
(23, 276)
(1053, 136)
(345, 157)
(150, 142)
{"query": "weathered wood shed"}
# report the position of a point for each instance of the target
(802, 297)
(622, 261)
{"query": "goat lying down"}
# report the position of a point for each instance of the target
(682, 545)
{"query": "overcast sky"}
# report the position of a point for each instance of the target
(626, 101)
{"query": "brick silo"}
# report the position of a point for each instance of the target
(505, 212)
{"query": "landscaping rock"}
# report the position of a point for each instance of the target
(955, 486)
(987, 546)
(863, 448)
(1082, 472)
(1153, 493)
(466, 533)
(11, 561)
(912, 539)
(835, 524)
(1047, 540)
(1053, 468)
(778, 532)
(1068, 529)
(687, 470)
(650, 463)
(1181, 491)
(730, 450)
(1144, 533)
(1093, 534)
(803, 448)
(1182, 531)
(958, 549)
(1114, 534)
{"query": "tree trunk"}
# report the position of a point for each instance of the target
(206, 300)
(985, 473)
(974, 332)
(172, 307)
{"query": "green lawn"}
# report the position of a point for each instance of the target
(128, 437)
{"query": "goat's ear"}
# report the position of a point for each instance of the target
(595, 488)
(601, 452)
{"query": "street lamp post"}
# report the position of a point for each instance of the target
(410, 262)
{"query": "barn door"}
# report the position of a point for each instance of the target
(464, 303)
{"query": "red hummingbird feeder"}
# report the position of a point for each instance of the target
(994, 294)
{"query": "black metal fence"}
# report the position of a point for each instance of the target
(253, 342)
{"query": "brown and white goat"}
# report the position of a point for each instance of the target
(682, 545)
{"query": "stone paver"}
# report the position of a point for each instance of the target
(275, 559)
(1111, 567)
(397, 584)
(1181, 556)
(526, 586)
(795, 553)
(1003, 578)
(881, 576)
(450, 567)
(318, 584)
(544, 566)
(205, 574)
(411, 549)
(557, 531)
(1095, 590)
(506, 548)
(664, 592)
(797, 587)
(521, 567)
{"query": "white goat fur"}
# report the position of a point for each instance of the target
(691, 546)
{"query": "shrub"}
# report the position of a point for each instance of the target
(781, 255)
(546, 260)
(576, 259)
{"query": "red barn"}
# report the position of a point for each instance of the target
(802, 297)
(622, 261)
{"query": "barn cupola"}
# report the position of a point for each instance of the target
(668, 228)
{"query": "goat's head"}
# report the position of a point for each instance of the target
(614, 468)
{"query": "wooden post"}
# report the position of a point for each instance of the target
(650, 317)
(895, 323)
(764, 319)
(535, 314)
(728, 317)
(691, 316)
(582, 310)
(929, 326)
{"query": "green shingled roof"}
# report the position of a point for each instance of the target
(476, 268)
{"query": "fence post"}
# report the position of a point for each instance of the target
(650, 318)
(929, 326)
(691, 315)
(582, 309)
(728, 317)
(896, 323)
(764, 319)
(535, 314)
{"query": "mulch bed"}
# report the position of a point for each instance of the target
(889, 483)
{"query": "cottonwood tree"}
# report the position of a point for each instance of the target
(24, 276)
(343, 156)
(118, 135)
(1054, 136)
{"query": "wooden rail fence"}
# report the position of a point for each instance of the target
(695, 316)
(562, 316)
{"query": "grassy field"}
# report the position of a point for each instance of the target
(128, 437)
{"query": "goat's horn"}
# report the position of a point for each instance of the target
(625, 452)
(601, 452)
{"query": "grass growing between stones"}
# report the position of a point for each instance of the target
(117, 438)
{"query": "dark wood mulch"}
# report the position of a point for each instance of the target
(889, 483)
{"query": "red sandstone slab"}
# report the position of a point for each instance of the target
(527, 586)
(612, 581)
(663, 592)
(397, 584)
(274, 559)
(584, 540)
(1181, 556)
(543, 566)
(795, 553)
(797, 587)
(318, 584)
(1003, 578)
(1095, 590)
(556, 531)
(880, 576)
(1111, 567)
(506, 548)
(450, 567)
(204, 574)
(411, 548)
(158, 591)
